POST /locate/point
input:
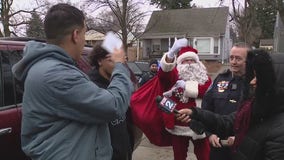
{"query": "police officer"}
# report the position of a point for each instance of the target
(223, 97)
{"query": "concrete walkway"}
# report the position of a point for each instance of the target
(148, 151)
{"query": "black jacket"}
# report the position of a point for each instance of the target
(265, 137)
(264, 141)
(119, 133)
(224, 94)
(146, 77)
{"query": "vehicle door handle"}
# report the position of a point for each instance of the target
(5, 131)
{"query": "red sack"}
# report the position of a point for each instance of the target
(146, 115)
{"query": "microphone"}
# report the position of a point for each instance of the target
(166, 105)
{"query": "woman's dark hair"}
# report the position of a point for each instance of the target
(259, 64)
(61, 20)
(97, 54)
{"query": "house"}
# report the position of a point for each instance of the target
(278, 45)
(266, 44)
(93, 37)
(131, 39)
(207, 30)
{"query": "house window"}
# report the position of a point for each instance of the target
(216, 44)
(156, 47)
(204, 45)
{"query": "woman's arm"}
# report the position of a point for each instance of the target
(221, 125)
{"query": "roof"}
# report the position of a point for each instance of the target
(23, 39)
(136, 70)
(144, 66)
(94, 35)
(138, 67)
(190, 22)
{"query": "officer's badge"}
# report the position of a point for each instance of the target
(222, 86)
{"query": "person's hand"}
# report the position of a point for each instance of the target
(178, 44)
(214, 140)
(180, 84)
(118, 55)
(231, 140)
(184, 115)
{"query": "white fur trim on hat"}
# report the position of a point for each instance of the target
(167, 67)
(185, 131)
(191, 89)
(192, 55)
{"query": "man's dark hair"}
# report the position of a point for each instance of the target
(153, 61)
(97, 54)
(61, 20)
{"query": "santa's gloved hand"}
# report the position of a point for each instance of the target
(177, 46)
(180, 84)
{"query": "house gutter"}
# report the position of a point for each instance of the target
(138, 49)
(222, 37)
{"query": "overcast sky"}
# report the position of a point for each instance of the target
(206, 3)
(203, 3)
(28, 4)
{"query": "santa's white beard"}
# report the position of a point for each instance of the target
(193, 72)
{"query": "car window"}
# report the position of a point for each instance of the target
(15, 56)
(11, 90)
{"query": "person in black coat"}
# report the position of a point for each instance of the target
(153, 65)
(120, 133)
(258, 124)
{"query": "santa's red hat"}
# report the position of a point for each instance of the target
(187, 52)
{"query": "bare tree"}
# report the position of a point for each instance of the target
(245, 21)
(172, 4)
(12, 18)
(126, 15)
(280, 4)
(106, 21)
(245, 16)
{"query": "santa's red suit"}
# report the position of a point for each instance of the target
(195, 86)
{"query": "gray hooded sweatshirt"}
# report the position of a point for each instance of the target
(65, 115)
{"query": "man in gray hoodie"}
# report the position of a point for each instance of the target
(65, 115)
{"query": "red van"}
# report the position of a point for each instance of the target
(11, 51)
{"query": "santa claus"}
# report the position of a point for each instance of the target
(184, 79)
